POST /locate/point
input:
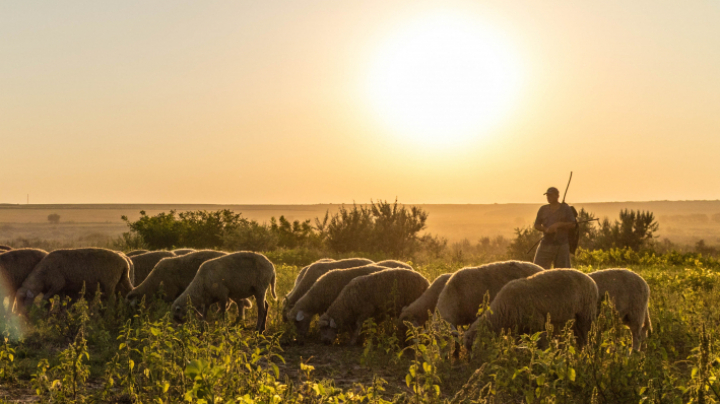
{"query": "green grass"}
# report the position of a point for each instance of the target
(91, 352)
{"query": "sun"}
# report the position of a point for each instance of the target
(443, 80)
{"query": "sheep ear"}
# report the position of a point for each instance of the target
(332, 324)
(300, 316)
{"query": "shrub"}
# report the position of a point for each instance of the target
(380, 227)
(196, 229)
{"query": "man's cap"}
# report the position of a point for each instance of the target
(552, 190)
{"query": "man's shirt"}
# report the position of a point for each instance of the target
(547, 218)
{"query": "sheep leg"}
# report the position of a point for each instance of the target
(636, 328)
(262, 305)
(456, 344)
(356, 333)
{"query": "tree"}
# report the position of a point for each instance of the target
(54, 218)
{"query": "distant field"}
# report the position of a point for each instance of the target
(683, 222)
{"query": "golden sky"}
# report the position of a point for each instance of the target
(339, 101)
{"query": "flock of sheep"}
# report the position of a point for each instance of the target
(343, 293)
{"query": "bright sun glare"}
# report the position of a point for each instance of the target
(443, 80)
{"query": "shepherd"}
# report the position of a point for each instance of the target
(555, 220)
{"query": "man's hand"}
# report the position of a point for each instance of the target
(552, 228)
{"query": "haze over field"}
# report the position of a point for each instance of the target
(684, 223)
(324, 101)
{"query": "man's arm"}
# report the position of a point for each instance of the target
(569, 222)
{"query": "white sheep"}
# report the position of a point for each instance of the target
(235, 276)
(323, 293)
(65, 272)
(371, 296)
(525, 304)
(464, 292)
(307, 278)
(419, 311)
(630, 295)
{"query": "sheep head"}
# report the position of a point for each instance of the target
(328, 329)
(301, 321)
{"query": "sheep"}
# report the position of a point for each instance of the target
(144, 263)
(525, 304)
(235, 276)
(183, 251)
(419, 310)
(312, 273)
(460, 299)
(630, 294)
(175, 274)
(136, 252)
(369, 296)
(323, 293)
(302, 272)
(394, 264)
(65, 272)
(15, 266)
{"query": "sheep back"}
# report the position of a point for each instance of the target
(464, 292)
(418, 311)
(394, 264)
(144, 263)
(183, 251)
(135, 252)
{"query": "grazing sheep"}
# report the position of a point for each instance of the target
(15, 266)
(374, 295)
(65, 272)
(563, 294)
(394, 264)
(323, 293)
(464, 292)
(235, 276)
(183, 251)
(630, 294)
(175, 274)
(136, 252)
(298, 279)
(302, 272)
(313, 272)
(419, 311)
(144, 263)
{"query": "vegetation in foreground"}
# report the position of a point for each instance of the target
(90, 352)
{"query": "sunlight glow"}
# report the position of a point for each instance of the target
(443, 80)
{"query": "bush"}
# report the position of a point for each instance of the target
(381, 227)
(195, 229)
